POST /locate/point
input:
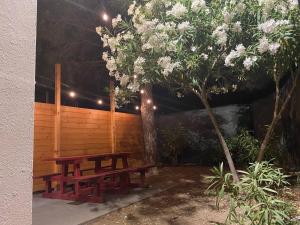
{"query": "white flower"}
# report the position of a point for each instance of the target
(240, 49)
(293, 3)
(197, 5)
(193, 48)
(134, 87)
(146, 25)
(268, 27)
(138, 66)
(227, 17)
(249, 61)
(104, 39)
(220, 34)
(116, 20)
(238, 52)
(228, 60)
(240, 7)
(204, 56)
(182, 27)
(111, 64)
(263, 45)
(99, 30)
(237, 27)
(273, 48)
(105, 56)
(178, 10)
(166, 64)
(131, 8)
(124, 80)
(172, 45)
(128, 36)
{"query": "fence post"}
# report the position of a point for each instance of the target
(112, 116)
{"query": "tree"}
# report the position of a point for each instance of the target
(191, 45)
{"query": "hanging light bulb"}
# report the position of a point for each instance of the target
(105, 16)
(134, 76)
(137, 108)
(142, 91)
(72, 94)
(100, 102)
(149, 101)
(155, 107)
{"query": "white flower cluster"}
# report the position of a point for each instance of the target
(131, 8)
(166, 64)
(156, 41)
(227, 17)
(249, 61)
(271, 25)
(198, 5)
(265, 46)
(238, 52)
(178, 10)
(184, 26)
(138, 66)
(116, 20)
(237, 27)
(221, 34)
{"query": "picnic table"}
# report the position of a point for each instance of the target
(74, 185)
(66, 177)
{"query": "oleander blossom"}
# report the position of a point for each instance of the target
(116, 20)
(220, 33)
(237, 27)
(263, 45)
(138, 66)
(238, 52)
(271, 25)
(166, 64)
(178, 10)
(227, 17)
(184, 26)
(273, 48)
(249, 61)
(198, 5)
(99, 30)
(131, 8)
(124, 80)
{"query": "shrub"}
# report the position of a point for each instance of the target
(256, 199)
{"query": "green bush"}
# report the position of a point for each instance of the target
(256, 199)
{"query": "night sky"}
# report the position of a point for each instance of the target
(66, 34)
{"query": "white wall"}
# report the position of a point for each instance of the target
(17, 71)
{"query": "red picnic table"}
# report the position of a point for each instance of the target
(64, 177)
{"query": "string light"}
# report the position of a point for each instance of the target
(142, 91)
(134, 76)
(100, 102)
(72, 94)
(137, 108)
(155, 107)
(149, 101)
(105, 17)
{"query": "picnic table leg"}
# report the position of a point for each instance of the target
(124, 183)
(64, 168)
(97, 166)
(125, 162)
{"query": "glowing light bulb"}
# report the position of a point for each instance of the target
(137, 108)
(100, 102)
(149, 101)
(72, 94)
(142, 91)
(105, 17)
(155, 107)
(134, 76)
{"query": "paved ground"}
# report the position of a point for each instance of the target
(60, 212)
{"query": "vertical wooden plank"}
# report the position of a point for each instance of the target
(57, 127)
(112, 116)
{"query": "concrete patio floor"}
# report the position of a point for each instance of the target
(61, 212)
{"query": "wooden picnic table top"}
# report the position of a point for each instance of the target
(88, 157)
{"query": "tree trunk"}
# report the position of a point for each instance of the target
(203, 98)
(148, 121)
(277, 115)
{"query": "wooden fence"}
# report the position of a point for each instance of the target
(82, 131)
